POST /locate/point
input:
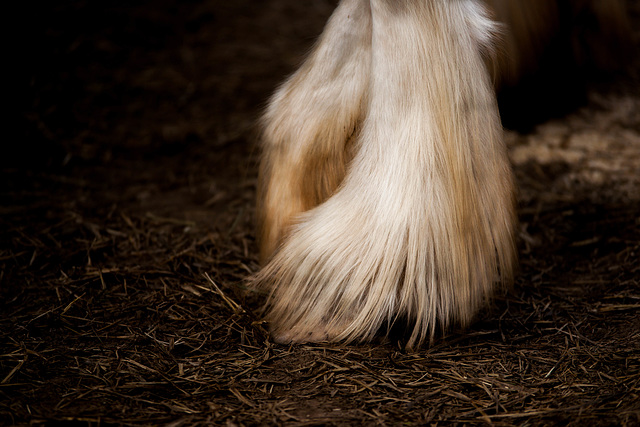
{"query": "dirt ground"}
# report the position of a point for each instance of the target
(126, 236)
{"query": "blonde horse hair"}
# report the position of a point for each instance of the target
(385, 190)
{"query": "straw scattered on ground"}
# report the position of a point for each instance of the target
(126, 233)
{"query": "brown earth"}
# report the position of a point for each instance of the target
(127, 233)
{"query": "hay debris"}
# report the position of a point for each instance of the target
(126, 234)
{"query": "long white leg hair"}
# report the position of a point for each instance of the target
(392, 130)
(310, 124)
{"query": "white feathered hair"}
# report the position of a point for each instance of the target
(385, 189)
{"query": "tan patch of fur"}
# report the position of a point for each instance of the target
(309, 124)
